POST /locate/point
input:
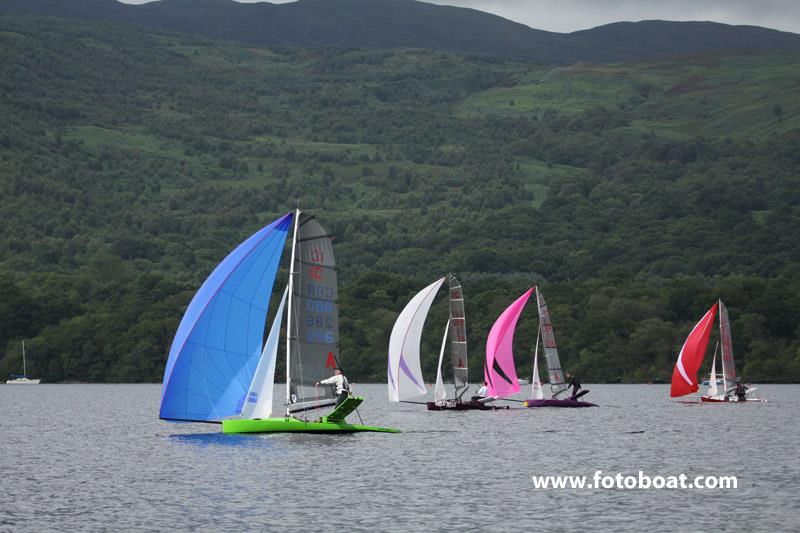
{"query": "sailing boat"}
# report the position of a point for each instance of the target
(500, 372)
(404, 372)
(23, 379)
(684, 376)
(219, 371)
(557, 385)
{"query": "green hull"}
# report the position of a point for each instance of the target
(293, 425)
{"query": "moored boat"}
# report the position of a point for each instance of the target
(23, 379)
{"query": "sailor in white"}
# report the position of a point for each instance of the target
(342, 386)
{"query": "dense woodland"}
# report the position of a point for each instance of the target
(633, 194)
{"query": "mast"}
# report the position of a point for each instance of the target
(24, 367)
(722, 353)
(289, 314)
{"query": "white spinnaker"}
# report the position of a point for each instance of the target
(439, 394)
(258, 403)
(536, 384)
(404, 372)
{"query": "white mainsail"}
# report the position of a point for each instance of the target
(404, 371)
(258, 403)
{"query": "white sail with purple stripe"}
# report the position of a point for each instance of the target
(404, 372)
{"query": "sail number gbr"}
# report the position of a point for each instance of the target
(319, 317)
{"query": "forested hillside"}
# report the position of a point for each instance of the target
(413, 24)
(635, 194)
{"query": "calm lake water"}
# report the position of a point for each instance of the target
(96, 458)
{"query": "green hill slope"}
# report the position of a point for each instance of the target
(636, 194)
(414, 24)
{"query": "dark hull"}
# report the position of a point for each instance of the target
(458, 405)
(557, 403)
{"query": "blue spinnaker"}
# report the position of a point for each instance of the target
(216, 349)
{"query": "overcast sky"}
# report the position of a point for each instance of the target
(571, 15)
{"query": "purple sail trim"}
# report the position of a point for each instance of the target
(407, 371)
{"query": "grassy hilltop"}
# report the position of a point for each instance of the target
(635, 194)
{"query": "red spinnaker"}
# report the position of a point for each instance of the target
(684, 376)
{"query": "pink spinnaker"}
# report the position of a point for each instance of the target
(501, 376)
